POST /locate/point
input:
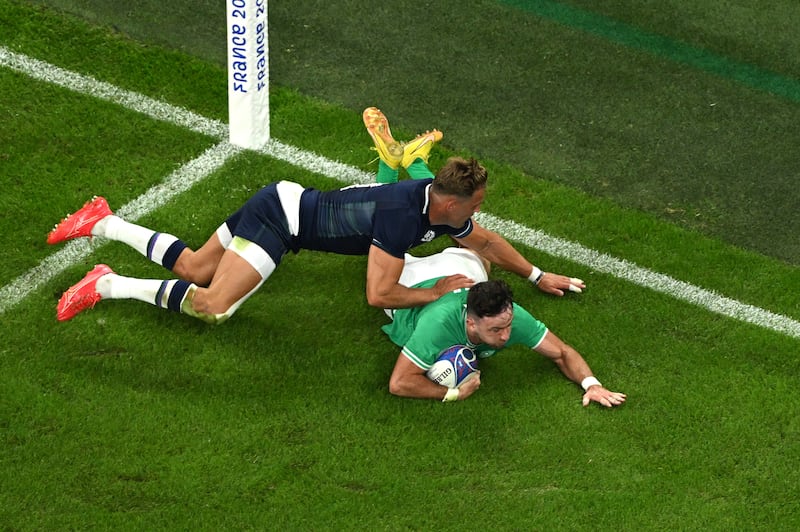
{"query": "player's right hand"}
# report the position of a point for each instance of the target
(469, 386)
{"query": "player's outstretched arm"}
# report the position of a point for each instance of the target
(575, 368)
(499, 251)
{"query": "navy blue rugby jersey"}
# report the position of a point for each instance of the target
(393, 217)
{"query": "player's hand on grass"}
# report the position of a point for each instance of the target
(445, 285)
(607, 398)
(555, 284)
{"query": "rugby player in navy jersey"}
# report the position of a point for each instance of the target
(382, 222)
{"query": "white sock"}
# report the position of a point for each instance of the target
(116, 228)
(113, 286)
(153, 245)
(165, 294)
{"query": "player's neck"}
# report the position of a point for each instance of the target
(437, 210)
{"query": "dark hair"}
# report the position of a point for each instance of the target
(489, 298)
(460, 177)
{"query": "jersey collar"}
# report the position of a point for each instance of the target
(427, 198)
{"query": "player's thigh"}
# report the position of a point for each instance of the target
(233, 279)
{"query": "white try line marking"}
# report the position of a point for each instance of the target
(216, 156)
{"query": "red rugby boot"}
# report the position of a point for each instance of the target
(81, 295)
(81, 222)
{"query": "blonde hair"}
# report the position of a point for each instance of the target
(460, 177)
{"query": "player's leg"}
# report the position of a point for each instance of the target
(390, 152)
(195, 268)
(199, 266)
(162, 248)
(386, 174)
(255, 240)
(103, 283)
(96, 218)
(240, 263)
(416, 153)
(241, 271)
(419, 170)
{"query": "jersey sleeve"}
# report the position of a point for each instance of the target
(421, 346)
(525, 329)
(463, 231)
(435, 331)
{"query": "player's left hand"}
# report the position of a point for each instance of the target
(555, 284)
(607, 398)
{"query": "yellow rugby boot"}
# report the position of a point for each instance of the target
(420, 147)
(389, 150)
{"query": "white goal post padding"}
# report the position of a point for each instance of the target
(248, 73)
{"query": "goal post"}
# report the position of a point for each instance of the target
(248, 73)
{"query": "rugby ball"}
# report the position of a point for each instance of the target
(453, 366)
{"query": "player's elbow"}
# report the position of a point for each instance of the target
(376, 299)
(398, 384)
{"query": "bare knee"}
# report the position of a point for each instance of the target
(203, 306)
(191, 267)
(207, 302)
(232, 282)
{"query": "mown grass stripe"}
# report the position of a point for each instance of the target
(662, 46)
(218, 155)
(83, 84)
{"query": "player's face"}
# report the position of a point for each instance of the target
(495, 331)
(462, 209)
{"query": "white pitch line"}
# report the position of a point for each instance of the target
(217, 156)
(83, 84)
(628, 271)
(76, 250)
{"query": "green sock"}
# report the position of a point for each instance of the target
(386, 174)
(419, 170)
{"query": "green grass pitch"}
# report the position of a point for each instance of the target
(132, 418)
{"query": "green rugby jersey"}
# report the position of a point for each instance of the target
(424, 332)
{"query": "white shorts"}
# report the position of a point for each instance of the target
(450, 261)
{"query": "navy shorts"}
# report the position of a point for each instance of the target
(262, 220)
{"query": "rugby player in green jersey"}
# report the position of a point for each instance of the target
(484, 318)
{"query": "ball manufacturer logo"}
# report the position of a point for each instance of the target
(443, 375)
